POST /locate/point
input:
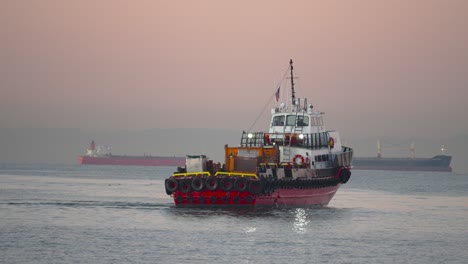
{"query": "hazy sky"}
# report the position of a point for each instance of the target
(374, 67)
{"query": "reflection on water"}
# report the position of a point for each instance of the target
(250, 229)
(300, 220)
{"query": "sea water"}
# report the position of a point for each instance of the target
(121, 214)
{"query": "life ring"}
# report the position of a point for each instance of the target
(298, 156)
(331, 142)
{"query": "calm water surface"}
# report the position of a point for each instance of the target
(117, 214)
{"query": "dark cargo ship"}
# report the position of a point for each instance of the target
(436, 163)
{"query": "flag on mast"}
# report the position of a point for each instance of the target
(277, 93)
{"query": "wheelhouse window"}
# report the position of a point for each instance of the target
(301, 120)
(278, 120)
(291, 120)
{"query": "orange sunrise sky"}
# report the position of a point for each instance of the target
(376, 68)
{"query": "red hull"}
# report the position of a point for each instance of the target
(298, 197)
(132, 161)
(281, 198)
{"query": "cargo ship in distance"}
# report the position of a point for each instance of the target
(101, 155)
(439, 163)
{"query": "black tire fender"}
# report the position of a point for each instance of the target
(240, 184)
(226, 184)
(198, 184)
(185, 186)
(171, 185)
(255, 187)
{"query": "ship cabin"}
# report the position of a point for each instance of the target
(295, 137)
(302, 121)
(295, 145)
(301, 128)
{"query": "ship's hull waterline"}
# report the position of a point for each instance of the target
(283, 198)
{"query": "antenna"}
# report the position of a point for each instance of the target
(292, 82)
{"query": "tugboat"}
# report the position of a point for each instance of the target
(296, 163)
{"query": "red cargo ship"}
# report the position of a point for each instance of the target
(100, 155)
(295, 163)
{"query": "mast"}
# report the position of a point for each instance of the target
(379, 149)
(292, 82)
